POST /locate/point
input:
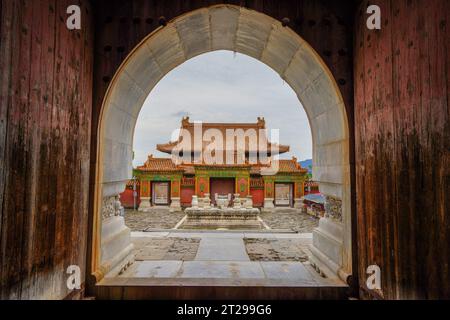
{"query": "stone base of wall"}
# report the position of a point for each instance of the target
(145, 204)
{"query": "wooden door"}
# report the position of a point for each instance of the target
(222, 187)
(257, 197)
(284, 194)
(161, 193)
(186, 196)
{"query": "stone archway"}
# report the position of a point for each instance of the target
(224, 27)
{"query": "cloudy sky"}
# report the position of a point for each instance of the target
(221, 86)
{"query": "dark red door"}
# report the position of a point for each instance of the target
(186, 196)
(257, 197)
(221, 186)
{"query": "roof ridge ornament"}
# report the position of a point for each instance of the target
(149, 159)
(185, 121)
(261, 122)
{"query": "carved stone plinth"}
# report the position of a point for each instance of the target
(207, 201)
(194, 202)
(215, 218)
(145, 204)
(268, 204)
(111, 207)
(248, 202)
(222, 201)
(116, 246)
(327, 247)
(333, 208)
(237, 201)
(201, 202)
(175, 205)
(298, 203)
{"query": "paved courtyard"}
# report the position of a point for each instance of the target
(236, 256)
(293, 219)
(169, 248)
(161, 251)
(155, 219)
(263, 249)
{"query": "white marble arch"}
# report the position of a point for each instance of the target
(229, 27)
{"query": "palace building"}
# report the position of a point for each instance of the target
(196, 170)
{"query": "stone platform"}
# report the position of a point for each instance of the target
(227, 219)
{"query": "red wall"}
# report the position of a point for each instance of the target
(127, 199)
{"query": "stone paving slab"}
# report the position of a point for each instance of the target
(149, 248)
(294, 236)
(141, 234)
(222, 249)
(185, 235)
(216, 235)
(160, 218)
(234, 270)
(276, 249)
(292, 219)
(175, 282)
(220, 246)
(329, 281)
(219, 269)
(287, 270)
(258, 236)
(153, 269)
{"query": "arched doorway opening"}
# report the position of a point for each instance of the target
(224, 27)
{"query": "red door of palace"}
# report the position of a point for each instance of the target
(257, 197)
(186, 196)
(221, 186)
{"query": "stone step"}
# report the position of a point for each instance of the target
(215, 289)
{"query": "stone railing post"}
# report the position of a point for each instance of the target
(237, 201)
(116, 247)
(327, 247)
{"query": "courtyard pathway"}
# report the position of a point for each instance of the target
(236, 256)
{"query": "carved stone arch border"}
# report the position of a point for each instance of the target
(224, 27)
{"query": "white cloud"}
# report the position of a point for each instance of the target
(222, 87)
